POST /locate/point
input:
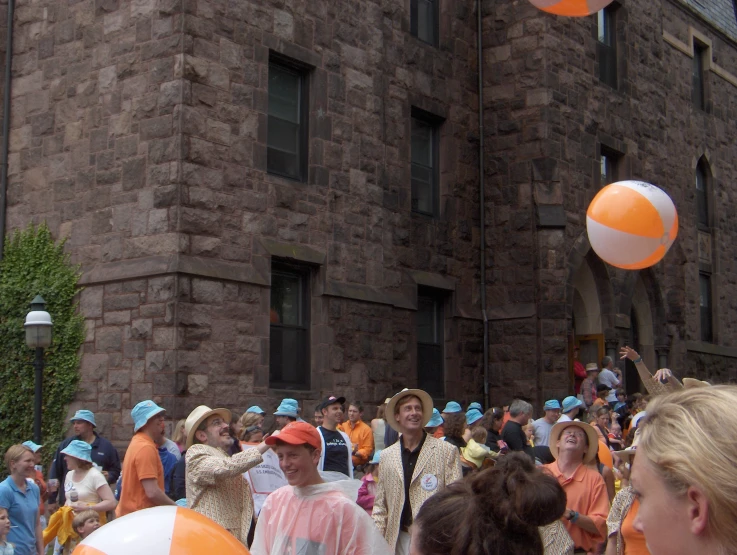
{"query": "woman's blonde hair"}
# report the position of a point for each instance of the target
(14, 453)
(247, 420)
(179, 436)
(684, 440)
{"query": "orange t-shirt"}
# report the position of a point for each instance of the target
(587, 495)
(440, 432)
(605, 455)
(141, 462)
(634, 541)
(39, 479)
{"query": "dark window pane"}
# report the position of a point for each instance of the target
(698, 76)
(701, 196)
(426, 20)
(705, 306)
(430, 339)
(424, 167)
(605, 170)
(606, 47)
(288, 366)
(286, 299)
(286, 124)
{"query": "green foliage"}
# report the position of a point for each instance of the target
(34, 265)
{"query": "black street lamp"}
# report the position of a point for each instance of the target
(38, 336)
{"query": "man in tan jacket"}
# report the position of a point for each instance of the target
(412, 470)
(216, 486)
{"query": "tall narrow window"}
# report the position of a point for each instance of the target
(424, 17)
(705, 307)
(702, 205)
(608, 162)
(699, 91)
(286, 152)
(430, 339)
(425, 197)
(289, 363)
(606, 47)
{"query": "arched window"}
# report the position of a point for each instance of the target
(702, 205)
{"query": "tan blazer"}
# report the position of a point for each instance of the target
(438, 464)
(217, 488)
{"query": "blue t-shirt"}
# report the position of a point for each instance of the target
(23, 513)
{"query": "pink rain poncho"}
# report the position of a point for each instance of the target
(316, 520)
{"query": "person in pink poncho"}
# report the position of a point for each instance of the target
(310, 516)
(367, 491)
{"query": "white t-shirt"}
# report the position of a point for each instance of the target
(86, 488)
(609, 378)
(541, 430)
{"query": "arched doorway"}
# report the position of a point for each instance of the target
(642, 336)
(588, 329)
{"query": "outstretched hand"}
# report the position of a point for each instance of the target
(663, 375)
(628, 352)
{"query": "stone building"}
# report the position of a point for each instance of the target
(275, 199)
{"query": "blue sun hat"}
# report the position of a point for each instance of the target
(32, 446)
(435, 420)
(472, 416)
(376, 457)
(552, 404)
(143, 412)
(181, 502)
(571, 402)
(86, 415)
(476, 406)
(256, 409)
(287, 407)
(79, 450)
(452, 407)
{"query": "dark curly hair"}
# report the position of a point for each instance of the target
(454, 425)
(494, 512)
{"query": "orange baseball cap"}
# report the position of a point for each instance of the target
(297, 433)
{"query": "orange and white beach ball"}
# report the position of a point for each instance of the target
(161, 531)
(631, 224)
(571, 8)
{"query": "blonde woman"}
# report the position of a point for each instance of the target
(91, 488)
(684, 475)
(179, 437)
(21, 497)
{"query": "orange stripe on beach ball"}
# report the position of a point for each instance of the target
(631, 224)
(195, 533)
(86, 550)
(571, 8)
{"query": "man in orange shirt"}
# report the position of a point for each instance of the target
(362, 438)
(143, 483)
(574, 445)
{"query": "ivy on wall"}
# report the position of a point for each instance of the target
(33, 264)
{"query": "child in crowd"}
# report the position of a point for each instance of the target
(85, 523)
(6, 548)
(615, 436)
(367, 491)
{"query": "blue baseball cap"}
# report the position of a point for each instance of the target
(472, 416)
(86, 415)
(287, 407)
(552, 404)
(79, 450)
(376, 457)
(435, 420)
(452, 407)
(476, 406)
(571, 402)
(143, 412)
(32, 446)
(256, 409)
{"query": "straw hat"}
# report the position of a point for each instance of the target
(198, 416)
(557, 430)
(691, 383)
(592, 367)
(424, 398)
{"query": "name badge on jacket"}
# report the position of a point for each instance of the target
(429, 482)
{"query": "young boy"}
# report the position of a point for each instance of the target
(310, 516)
(85, 523)
(6, 548)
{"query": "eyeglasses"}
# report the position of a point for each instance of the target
(218, 422)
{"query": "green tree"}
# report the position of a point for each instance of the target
(33, 264)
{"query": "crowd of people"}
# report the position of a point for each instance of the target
(599, 472)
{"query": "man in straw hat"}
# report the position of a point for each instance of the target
(216, 487)
(143, 486)
(574, 446)
(413, 469)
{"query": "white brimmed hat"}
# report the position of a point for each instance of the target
(198, 416)
(557, 430)
(424, 398)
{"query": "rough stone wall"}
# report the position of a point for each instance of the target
(546, 125)
(139, 133)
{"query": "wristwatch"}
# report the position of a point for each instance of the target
(571, 514)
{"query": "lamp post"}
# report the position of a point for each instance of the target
(38, 336)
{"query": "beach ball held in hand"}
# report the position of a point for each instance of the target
(571, 8)
(631, 224)
(161, 531)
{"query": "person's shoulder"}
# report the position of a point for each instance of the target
(104, 443)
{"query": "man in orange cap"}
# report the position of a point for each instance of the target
(310, 515)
